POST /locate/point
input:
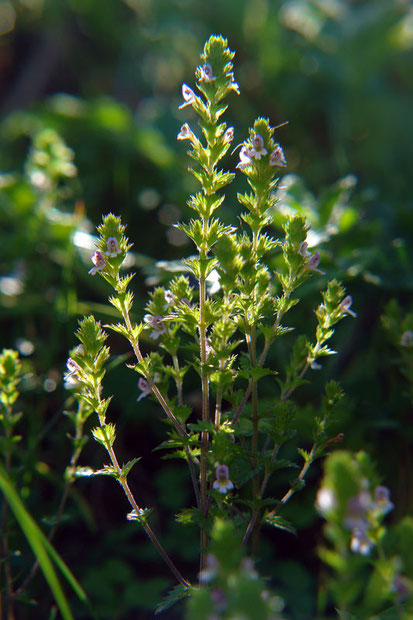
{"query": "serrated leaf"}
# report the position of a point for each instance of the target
(281, 524)
(176, 594)
(199, 427)
(128, 466)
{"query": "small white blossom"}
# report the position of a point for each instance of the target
(234, 86)
(228, 135)
(113, 247)
(71, 376)
(188, 95)
(407, 339)
(210, 571)
(206, 73)
(99, 261)
(277, 157)
(222, 484)
(360, 542)
(186, 133)
(325, 500)
(169, 297)
(258, 149)
(245, 157)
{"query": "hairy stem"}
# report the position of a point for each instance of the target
(205, 408)
(165, 406)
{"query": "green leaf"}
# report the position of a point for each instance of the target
(104, 434)
(176, 594)
(281, 524)
(126, 468)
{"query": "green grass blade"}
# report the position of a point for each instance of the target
(35, 539)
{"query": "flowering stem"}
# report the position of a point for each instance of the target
(123, 482)
(205, 401)
(135, 345)
(308, 462)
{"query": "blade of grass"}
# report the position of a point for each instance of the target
(36, 539)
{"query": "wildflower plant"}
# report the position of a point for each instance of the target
(369, 562)
(234, 443)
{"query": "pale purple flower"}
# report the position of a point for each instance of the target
(313, 263)
(72, 366)
(99, 261)
(113, 247)
(222, 483)
(245, 157)
(345, 306)
(407, 339)
(186, 133)
(156, 323)
(228, 135)
(145, 388)
(258, 149)
(303, 249)
(357, 509)
(210, 571)
(382, 499)
(401, 587)
(218, 599)
(277, 157)
(360, 542)
(206, 73)
(71, 376)
(188, 95)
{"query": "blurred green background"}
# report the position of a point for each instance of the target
(89, 116)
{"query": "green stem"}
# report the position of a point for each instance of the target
(178, 380)
(205, 403)
(165, 406)
(123, 482)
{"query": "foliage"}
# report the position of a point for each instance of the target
(340, 72)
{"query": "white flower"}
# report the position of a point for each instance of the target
(186, 133)
(113, 247)
(228, 135)
(245, 157)
(169, 297)
(188, 95)
(277, 157)
(360, 542)
(98, 259)
(407, 339)
(325, 500)
(234, 86)
(258, 149)
(206, 73)
(222, 484)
